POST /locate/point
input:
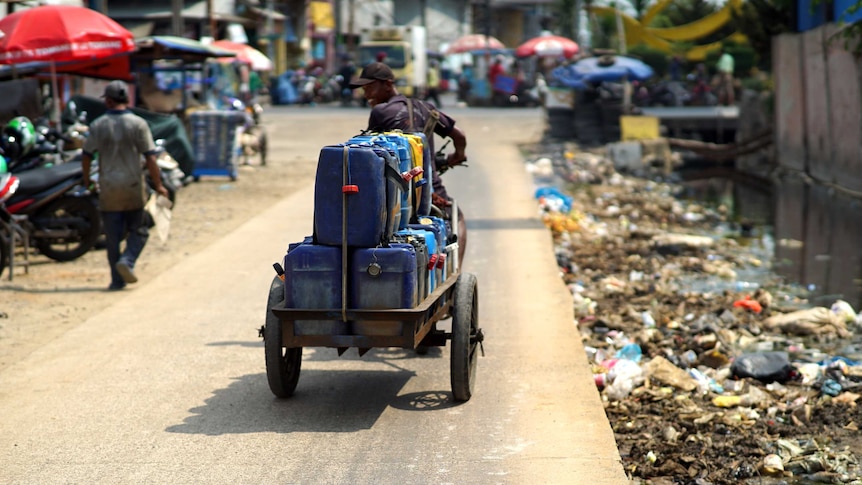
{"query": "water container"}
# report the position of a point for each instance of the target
(306, 240)
(433, 228)
(405, 151)
(430, 241)
(444, 228)
(367, 210)
(380, 144)
(447, 239)
(435, 234)
(396, 199)
(312, 280)
(419, 159)
(421, 249)
(423, 191)
(382, 278)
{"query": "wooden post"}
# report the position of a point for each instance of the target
(212, 20)
(177, 23)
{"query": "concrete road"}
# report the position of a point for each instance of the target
(168, 385)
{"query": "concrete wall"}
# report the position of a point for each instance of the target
(789, 101)
(845, 115)
(818, 107)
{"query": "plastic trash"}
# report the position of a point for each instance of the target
(689, 357)
(831, 387)
(648, 320)
(748, 304)
(704, 382)
(764, 366)
(631, 352)
(831, 361)
(665, 372)
(555, 199)
(844, 311)
(625, 376)
(727, 401)
(810, 321)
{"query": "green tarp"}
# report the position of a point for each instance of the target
(167, 127)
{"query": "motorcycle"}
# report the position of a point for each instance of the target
(8, 227)
(61, 216)
(253, 140)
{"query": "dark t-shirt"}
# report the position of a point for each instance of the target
(393, 115)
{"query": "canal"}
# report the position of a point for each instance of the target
(808, 236)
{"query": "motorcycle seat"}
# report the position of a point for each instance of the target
(38, 179)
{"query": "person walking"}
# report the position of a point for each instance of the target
(391, 110)
(725, 66)
(433, 92)
(120, 138)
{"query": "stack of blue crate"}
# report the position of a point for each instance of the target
(215, 142)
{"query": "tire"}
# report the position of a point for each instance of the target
(465, 345)
(77, 214)
(282, 365)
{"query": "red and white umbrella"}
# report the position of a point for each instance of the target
(61, 33)
(473, 42)
(548, 46)
(245, 53)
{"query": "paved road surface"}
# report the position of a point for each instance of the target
(168, 385)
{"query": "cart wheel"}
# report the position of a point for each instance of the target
(465, 346)
(282, 365)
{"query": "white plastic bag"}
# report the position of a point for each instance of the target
(159, 208)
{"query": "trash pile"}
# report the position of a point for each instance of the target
(706, 377)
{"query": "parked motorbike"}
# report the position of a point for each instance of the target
(8, 186)
(253, 139)
(62, 216)
(27, 145)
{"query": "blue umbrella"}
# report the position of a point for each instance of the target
(595, 70)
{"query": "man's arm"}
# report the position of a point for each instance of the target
(155, 174)
(86, 163)
(459, 141)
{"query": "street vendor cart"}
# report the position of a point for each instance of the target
(379, 271)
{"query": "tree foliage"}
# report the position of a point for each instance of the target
(565, 18)
(760, 21)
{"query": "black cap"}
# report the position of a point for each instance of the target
(118, 91)
(376, 71)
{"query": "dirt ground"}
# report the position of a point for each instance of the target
(652, 278)
(40, 305)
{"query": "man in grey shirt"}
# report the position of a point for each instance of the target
(121, 137)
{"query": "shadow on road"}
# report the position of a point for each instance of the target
(324, 402)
